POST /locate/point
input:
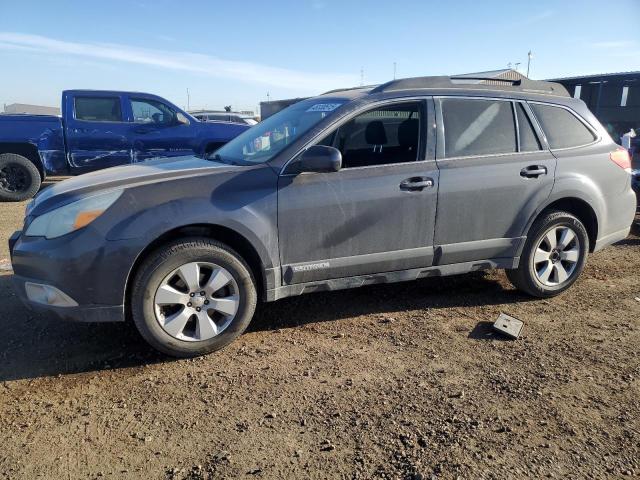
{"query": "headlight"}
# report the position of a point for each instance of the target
(71, 217)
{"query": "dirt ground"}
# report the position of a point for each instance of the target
(396, 381)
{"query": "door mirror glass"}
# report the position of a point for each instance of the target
(182, 119)
(319, 158)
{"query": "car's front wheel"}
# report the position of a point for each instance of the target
(192, 297)
(553, 257)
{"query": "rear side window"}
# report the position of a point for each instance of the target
(478, 127)
(98, 109)
(562, 128)
(528, 139)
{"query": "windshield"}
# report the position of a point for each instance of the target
(265, 140)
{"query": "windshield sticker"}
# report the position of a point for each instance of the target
(323, 107)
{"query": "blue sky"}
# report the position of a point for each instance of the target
(234, 52)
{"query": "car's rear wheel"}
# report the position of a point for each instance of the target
(19, 178)
(553, 257)
(192, 297)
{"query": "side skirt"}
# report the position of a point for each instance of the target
(389, 277)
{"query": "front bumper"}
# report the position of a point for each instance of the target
(88, 273)
(78, 313)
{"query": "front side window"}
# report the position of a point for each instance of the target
(98, 109)
(478, 127)
(268, 138)
(561, 127)
(382, 136)
(151, 111)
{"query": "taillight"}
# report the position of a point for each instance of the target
(621, 158)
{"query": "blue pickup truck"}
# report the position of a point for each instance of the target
(99, 129)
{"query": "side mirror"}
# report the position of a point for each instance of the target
(319, 158)
(182, 119)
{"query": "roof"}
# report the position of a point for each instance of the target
(474, 81)
(599, 75)
(504, 79)
(217, 112)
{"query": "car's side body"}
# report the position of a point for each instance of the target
(323, 231)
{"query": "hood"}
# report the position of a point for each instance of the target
(151, 171)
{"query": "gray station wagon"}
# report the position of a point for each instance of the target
(414, 178)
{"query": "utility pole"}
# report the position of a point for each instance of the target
(529, 57)
(394, 70)
(361, 76)
(188, 100)
(268, 97)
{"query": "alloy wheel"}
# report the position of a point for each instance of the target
(556, 256)
(197, 301)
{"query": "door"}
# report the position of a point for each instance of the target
(97, 134)
(495, 171)
(374, 215)
(157, 132)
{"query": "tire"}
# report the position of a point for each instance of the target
(162, 274)
(541, 275)
(19, 178)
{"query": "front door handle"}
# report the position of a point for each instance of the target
(416, 184)
(533, 171)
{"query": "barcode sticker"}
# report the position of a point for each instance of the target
(323, 107)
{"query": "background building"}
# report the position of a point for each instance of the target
(31, 109)
(614, 98)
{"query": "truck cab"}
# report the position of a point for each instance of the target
(99, 129)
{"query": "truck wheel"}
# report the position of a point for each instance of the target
(553, 257)
(192, 297)
(19, 178)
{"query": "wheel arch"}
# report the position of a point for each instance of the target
(578, 207)
(239, 243)
(27, 150)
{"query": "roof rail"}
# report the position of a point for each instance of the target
(512, 81)
(472, 82)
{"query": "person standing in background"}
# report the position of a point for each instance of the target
(626, 141)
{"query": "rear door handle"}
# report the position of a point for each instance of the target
(533, 171)
(416, 184)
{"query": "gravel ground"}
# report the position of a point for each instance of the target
(396, 381)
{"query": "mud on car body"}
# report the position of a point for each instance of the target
(417, 177)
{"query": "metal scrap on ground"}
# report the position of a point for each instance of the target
(508, 325)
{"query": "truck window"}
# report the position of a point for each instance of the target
(98, 109)
(151, 111)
